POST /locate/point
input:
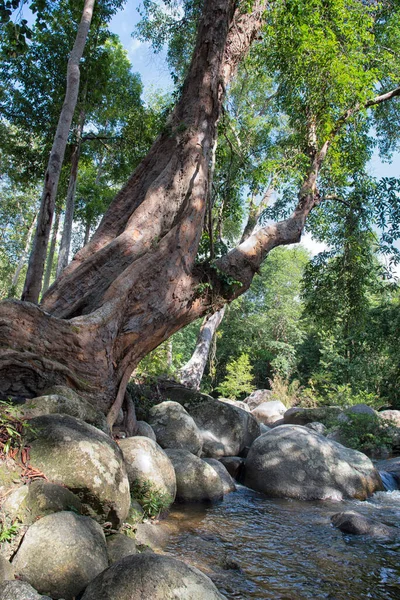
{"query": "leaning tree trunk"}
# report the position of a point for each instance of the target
(191, 374)
(33, 281)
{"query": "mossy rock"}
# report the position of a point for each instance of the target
(10, 475)
(62, 400)
(135, 514)
(61, 553)
(146, 462)
(303, 416)
(147, 396)
(119, 546)
(40, 498)
(153, 577)
(85, 460)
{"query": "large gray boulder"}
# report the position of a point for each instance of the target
(61, 553)
(147, 462)
(361, 409)
(119, 546)
(258, 397)
(355, 523)
(145, 430)
(38, 499)
(61, 399)
(228, 485)
(85, 460)
(19, 590)
(269, 412)
(391, 415)
(196, 481)
(237, 403)
(227, 430)
(302, 416)
(295, 462)
(151, 577)
(175, 428)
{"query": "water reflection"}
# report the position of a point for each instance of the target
(255, 547)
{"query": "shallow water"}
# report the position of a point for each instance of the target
(255, 547)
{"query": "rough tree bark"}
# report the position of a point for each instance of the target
(33, 281)
(137, 281)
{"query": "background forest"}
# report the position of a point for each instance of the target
(317, 330)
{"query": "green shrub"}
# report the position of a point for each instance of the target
(239, 378)
(151, 499)
(288, 393)
(367, 433)
(329, 394)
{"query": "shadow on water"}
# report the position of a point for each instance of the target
(256, 547)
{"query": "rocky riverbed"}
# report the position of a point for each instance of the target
(74, 499)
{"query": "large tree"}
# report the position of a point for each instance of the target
(137, 281)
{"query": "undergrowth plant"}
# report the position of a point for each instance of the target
(289, 393)
(151, 499)
(13, 426)
(8, 530)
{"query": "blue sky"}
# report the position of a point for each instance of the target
(152, 68)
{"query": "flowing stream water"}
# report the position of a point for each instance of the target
(256, 547)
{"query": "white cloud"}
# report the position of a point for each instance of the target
(136, 45)
(312, 245)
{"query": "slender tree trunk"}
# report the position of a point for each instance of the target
(33, 281)
(169, 353)
(88, 224)
(192, 372)
(24, 254)
(52, 249)
(65, 243)
(86, 238)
